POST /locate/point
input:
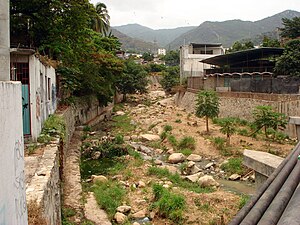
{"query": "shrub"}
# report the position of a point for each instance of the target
(172, 140)
(234, 165)
(169, 205)
(168, 128)
(187, 143)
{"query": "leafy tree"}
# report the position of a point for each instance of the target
(289, 62)
(133, 79)
(291, 28)
(147, 56)
(172, 58)
(170, 78)
(268, 42)
(238, 46)
(265, 117)
(101, 22)
(152, 67)
(207, 105)
(62, 30)
(228, 127)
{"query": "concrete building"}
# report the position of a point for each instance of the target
(161, 51)
(13, 208)
(38, 80)
(192, 54)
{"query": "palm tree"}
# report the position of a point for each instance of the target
(101, 23)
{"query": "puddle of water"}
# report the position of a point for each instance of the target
(238, 187)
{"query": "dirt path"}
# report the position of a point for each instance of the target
(72, 190)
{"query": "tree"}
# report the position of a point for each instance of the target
(170, 78)
(289, 62)
(172, 58)
(228, 127)
(101, 22)
(207, 105)
(265, 117)
(147, 56)
(238, 46)
(291, 28)
(268, 42)
(133, 79)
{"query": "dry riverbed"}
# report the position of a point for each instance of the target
(157, 162)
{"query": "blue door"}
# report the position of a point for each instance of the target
(26, 109)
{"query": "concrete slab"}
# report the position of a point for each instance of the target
(262, 162)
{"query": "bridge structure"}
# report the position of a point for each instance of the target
(277, 201)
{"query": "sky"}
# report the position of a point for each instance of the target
(158, 14)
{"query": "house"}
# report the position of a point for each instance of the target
(38, 80)
(192, 54)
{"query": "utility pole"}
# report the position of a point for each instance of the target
(4, 41)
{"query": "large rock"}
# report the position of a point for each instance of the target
(172, 169)
(145, 149)
(120, 218)
(124, 208)
(99, 178)
(176, 158)
(234, 177)
(120, 113)
(140, 214)
(195, 177)
(194, 158)
(150, 137)
(207, 181)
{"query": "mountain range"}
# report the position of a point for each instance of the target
(226, 32)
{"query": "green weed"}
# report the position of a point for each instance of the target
(169, 205)
(109, 196)
(243, 200)
(187, 143)
(234, 165)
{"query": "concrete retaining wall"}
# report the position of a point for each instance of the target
(44, 187)
(241, 105)
(13, 209)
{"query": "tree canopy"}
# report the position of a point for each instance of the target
(73, 33)
(207, 105)
(291, 28)
(239, 46)
(133, 79)
(289, 62)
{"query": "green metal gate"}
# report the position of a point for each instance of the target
(26, 109)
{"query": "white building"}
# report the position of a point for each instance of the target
(38, 80)
(192, 54)
(161, 51)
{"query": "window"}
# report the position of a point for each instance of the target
(49, 88)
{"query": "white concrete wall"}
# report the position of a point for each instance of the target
(190, 62)
(4, 41)
(42, 98)
(13, 209)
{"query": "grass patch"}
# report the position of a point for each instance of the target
(243, 200)
(123, 124)
(169, 205)
(186, 151)
(177, 180)
(34, 214)
(187, 143)
(172, 140)
(168, 128)
(234, 165)
(104, 166)
(178, 121)
(109, 196)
